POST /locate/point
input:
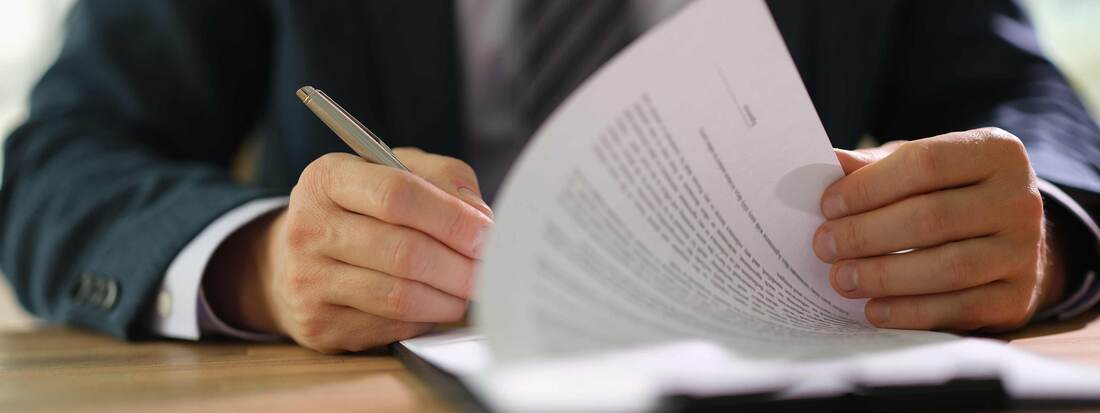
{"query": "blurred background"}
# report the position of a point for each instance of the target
(30, 36)
(31, 33)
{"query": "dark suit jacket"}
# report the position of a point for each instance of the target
(125, 155)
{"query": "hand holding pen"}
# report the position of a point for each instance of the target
(366, 253)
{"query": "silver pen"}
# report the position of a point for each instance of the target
(361, 140)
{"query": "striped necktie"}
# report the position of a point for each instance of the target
(559, 43)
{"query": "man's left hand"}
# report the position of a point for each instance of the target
(964, 209)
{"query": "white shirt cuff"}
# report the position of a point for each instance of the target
(181, 310)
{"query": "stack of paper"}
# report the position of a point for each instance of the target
(654, 238)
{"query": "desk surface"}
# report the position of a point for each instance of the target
(53, 368)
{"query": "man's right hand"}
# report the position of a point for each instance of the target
(364, 254)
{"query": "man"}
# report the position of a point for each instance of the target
(120, 213)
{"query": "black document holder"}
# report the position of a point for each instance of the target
(963, 395)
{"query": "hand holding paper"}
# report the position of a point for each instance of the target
(966, 203)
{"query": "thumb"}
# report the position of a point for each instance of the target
(851, 161)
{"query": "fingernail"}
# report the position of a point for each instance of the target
(834, 207)
(878, 312)
(847, 277)
(825, 245)
(472, 198)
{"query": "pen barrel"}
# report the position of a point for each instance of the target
(353, 133)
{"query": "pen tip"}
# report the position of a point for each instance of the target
(304, 92)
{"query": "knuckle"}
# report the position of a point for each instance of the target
(311, 332)
(312, 172)
(863, 192)
(468, 282)
(393, 196)
(404, 259)
(319, 173)
(958, 269)
(301, 232)
(454, 167)
(1007, 147)
(920, 316)
(399, 300)
(1029, 203)
(926, 160)
(300, 284)
(878, 273)
(311, 327)
(853, 239)
(1001, 137)
(931, 218)
(457, 224)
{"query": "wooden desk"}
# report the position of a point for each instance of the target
(61, 369)
(54, 368)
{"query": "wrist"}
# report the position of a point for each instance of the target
(235, 281)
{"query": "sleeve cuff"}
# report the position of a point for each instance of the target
(210, 324)
(181, 310)
(1085, 293)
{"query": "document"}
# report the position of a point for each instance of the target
(674, 194)
(655, 238)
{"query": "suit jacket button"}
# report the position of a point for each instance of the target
(96, 291)
(109, 295)
(82, 289)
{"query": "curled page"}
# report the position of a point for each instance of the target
(674, 196)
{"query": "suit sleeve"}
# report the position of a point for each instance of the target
(966, 64)
(124, 156)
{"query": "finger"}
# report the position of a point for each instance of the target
(366, 242)
(387, 296)
(915, 167)
(374, 332)
(401, 198)
(916, 222)
(851, 161)
(996, 306)
(447, 173)
(949, 267)
(348, 329)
